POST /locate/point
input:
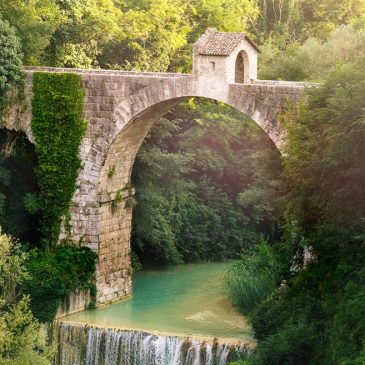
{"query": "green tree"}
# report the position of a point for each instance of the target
(324, 167)
(34, 21)
(191, 176)
(289, 22)
(158, 35)
(10, 63)
(21, 339)
(84, 28)
(314, 58)
(151, 34)
(317, 316)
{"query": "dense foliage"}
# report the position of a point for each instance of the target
(34, 21)
(158, 35)
(327, 143)
(21, 340)
(317, 317)
(205, 182)
(287, 24)
(54, 274)
(58, 128)
(314, 58)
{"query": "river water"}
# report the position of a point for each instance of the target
(177, 316)
(183, 299)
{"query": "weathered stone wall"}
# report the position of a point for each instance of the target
(120, 108)
(19, 113)
(77, 300)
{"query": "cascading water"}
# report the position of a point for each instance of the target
(80, 344)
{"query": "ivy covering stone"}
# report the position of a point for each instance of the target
(58, 128)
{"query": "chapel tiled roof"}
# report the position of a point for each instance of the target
(214, 43)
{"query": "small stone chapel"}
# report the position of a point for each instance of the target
(228, 57)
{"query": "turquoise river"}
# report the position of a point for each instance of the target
(176, 316)
(183, 299)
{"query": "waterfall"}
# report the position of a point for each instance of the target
(80, 344)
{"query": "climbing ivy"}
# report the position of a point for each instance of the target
(58, 129)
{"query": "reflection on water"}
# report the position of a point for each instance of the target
(184, 299)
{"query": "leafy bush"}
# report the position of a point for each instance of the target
(55, 274)
(292, 345)
(328, 298)
(21, 339)
(324, 164)
(253, 278)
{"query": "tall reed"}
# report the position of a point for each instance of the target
(253, 278)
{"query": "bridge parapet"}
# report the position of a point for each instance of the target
(103, 72)
(291, 84)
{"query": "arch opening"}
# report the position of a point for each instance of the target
(116, 201)
(19, 187)
(242, 68)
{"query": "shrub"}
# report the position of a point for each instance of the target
(292, 345)
(55, 274)
(328, 297)
(21, 340)
(253, 278)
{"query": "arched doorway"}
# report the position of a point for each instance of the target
(242, 68)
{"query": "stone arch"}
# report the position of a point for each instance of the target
(8, 142)
(253, 100)
(115, 211)
(18, 115)
(133, 118)
(242, 68)
(11, 135)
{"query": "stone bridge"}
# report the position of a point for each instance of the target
(120, 108)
